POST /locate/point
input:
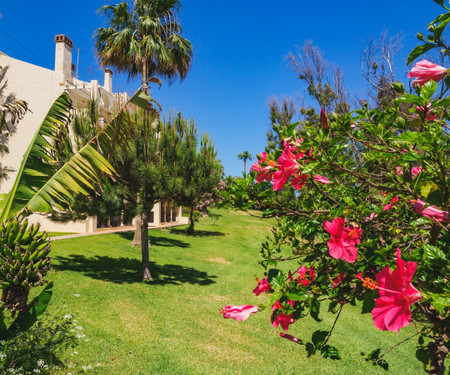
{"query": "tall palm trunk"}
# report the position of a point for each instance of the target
(245, 167)
(145, 246)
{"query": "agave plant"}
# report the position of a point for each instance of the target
(24, 262)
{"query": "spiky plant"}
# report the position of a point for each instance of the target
(24, 262)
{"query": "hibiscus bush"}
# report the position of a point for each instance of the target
(361, 202)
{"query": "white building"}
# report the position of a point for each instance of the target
(40, 87)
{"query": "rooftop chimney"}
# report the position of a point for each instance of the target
(108, 80)
(63, 56)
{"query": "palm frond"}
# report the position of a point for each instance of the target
(41, 183)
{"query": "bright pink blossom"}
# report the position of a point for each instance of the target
(425, 71)
(290, 337)
(337, 280)
(264, 168)
(397, 294)
(415, 171)
(343, 240)
(287, 166)
(298, 181)
(431, 212)
(429, 116)
(321, 179)
(398, 171)
(391, 203)
(239, 313)
(306, 275)
(282, 319)
(263, 286)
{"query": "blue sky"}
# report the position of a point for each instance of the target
(240, 50)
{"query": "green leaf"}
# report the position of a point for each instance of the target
(374, 354)
(441, 302)
(428, 89)
(310, 167)
(417, 51)
(299, 296)
(332, 306)
(275, 278)
(2, 323)
(318, 337)
(421, 221)
(369, 302)
(314, 306)
(427, 188)
(433, 255)
(330, 352)
(409, 157)
(410, 98)
(423, 356)
(310, 349)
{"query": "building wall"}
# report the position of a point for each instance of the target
(40, 87)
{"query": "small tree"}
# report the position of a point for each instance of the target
(201, 171)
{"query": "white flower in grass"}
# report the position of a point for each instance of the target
(88, 367)
(40, 362)
(76, 295)
(80, 336)
(67, 316)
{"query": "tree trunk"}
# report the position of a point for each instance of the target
(144, 76)
(145, 246)
(438, 352)
(137, 231)
(190, 229)
(245, 168)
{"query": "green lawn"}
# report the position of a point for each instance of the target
(173, 325)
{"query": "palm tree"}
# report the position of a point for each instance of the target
(245, 155)
(144, 38)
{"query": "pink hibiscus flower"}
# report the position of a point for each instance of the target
(287, 166)
(282, 319)
(264, 171)
(431, 212)
(397, 294)
(425, 71)
(305, 275)
(343, 240)
(263, 286)
(321, 179)
(299, 180)
(391, 203)
(239, 313)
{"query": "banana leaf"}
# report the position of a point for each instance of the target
(42, 183)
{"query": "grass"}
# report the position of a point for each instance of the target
(173, 325)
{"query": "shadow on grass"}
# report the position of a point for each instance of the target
(157, 241)
(126, 270)
(197, 233)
